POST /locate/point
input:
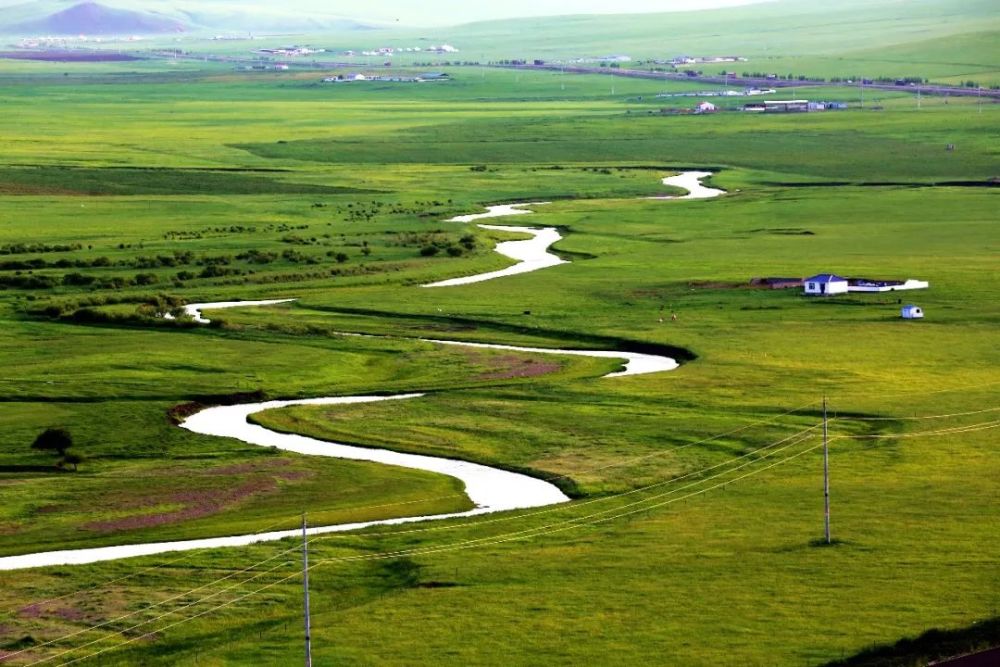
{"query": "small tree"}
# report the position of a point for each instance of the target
(54, 440)
(74, 459)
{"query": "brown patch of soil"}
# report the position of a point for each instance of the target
(517, 367)
(250, 467)
(31, 611)
(197, 504)
(715, 284)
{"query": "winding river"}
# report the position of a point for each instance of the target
(491, 489)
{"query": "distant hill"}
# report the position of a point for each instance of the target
(91, 18)
(145, 17)
(803, 28)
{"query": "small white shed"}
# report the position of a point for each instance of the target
(825, 284)
(706, 107)
(913, 313)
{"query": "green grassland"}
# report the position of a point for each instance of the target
(944, 41)
(237, 186)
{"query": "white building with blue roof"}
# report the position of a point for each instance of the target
(826, 284)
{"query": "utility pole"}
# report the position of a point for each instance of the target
(861, 87)
(305, 591)
(826, 471)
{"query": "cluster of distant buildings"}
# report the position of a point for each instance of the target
(766, 106)
(290, 51)
(746, 92)
(680, 61)
(264, 67)
(792, 106)
(49, 42)
(390, 50)
(617, 58)
(357, 77)
(829, 284)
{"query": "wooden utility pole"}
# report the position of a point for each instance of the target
(826, 472)
(305, 590)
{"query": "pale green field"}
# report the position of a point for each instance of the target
(710, 558)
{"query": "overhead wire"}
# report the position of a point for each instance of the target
(603, 516)
(520, 535)
(418, 501)
(554, 527)
(796, 438)
(919, 417)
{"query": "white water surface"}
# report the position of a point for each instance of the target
(635, 363)
(533, 254)
(195, 310)
(691, 181)
(491, 489)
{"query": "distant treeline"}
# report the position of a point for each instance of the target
(34, 248)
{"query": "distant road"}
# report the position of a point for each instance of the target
(749, 81)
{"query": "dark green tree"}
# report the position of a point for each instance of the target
(53, 440)
(74, 459)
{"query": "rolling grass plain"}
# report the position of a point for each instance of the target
(682, 545)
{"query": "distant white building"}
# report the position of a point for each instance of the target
(913, 313)
(706, 107)
(863, 285)
(826, 284)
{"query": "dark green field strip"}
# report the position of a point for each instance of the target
(866, 147)
(153, 181)
(466, 324)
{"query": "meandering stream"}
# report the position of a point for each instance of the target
(491, 489)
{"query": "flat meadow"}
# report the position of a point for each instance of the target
(694, 532)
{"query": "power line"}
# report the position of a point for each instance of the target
(798, 438)
(562, 526)
(971, 428)
(457, 526)
(163, 615)
(111, 582)
(156, 604)
(191, 554)
(251, 567)
(917, 418)
(419, 551)
(577, 505)
(549, 529)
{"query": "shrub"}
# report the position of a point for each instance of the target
(429, 251)
(53, 440)
(77, 279)
(73, 458)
